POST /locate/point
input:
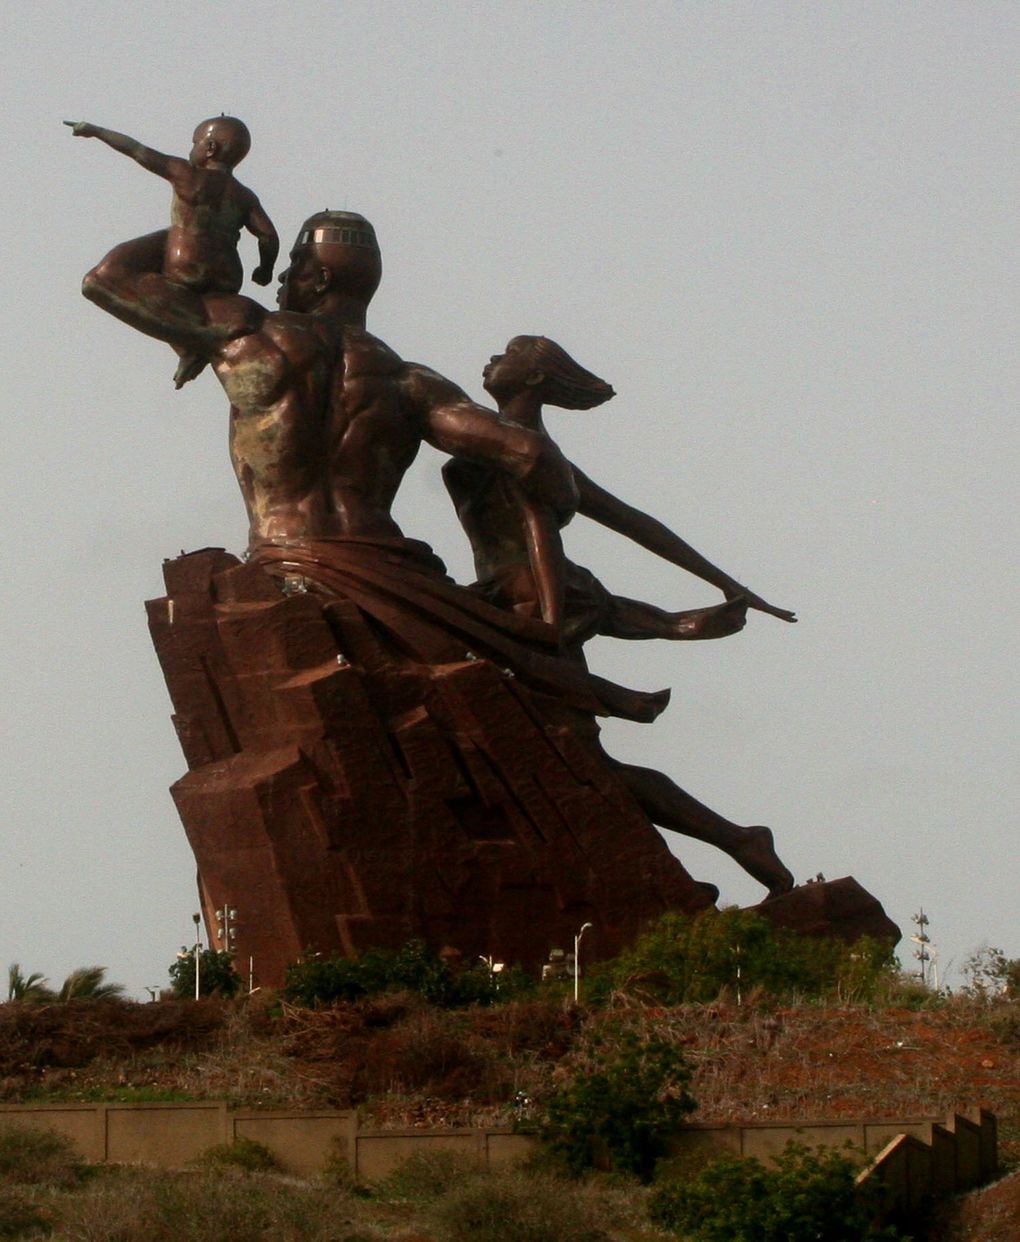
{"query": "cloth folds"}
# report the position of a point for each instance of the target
(403, 586)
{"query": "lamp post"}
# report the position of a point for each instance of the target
(196, 919)
(922, 941)
(226, 918)
(577, 959)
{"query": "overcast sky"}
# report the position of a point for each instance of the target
(784, 232)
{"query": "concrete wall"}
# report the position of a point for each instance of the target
(914, 1157)
(935, 1161)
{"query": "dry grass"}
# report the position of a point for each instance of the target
(403, 1063)
(991, 1214)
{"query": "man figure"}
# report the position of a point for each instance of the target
(325, 420)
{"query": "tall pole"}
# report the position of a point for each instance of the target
(196, 919)
(922, 941)
(226, 918)
(577, 960)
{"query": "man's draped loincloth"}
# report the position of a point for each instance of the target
(404, 588)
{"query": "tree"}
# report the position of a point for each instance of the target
(86, 983)
(626, 1097)
(216, 974)
(799, 1196)
(990, 973)
(26, 987)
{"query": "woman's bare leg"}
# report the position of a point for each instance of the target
(669, 806)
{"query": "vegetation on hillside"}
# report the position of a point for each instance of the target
(718, 1019)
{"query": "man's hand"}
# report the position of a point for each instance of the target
(262, 275)
(82, 129)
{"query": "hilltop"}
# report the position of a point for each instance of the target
(401, 1061)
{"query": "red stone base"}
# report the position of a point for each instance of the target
(340, 796)
(831, 908)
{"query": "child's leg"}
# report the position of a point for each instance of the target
(135, 257)
(191, 365)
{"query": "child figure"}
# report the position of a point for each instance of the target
(208, 210)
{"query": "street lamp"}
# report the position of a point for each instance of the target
(577, 959)
(226, 918)
(196, 919)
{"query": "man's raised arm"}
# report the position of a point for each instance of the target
(603, 507)
(129, 285)
(451, 421)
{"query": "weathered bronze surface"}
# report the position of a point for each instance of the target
(376, 752)
(208, 211)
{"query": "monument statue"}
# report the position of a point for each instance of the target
(376, 752)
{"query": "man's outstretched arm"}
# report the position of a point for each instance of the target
(154, 161)
(603, 507)
(452, 422)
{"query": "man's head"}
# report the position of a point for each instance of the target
(220, 140)
(336, 256)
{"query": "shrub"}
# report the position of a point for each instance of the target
(627, 1101)
(337, 1172)
(315, 980)
(19, 1216)
(216, 974)
(804, 1196)
(513, 1207)
(37, 1158)
(684, 959)
(428, 1175)
(165, 1207)
(243, 1153)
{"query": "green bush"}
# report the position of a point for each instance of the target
(145, 1205)
(216, 974)
(684, 959)
(243, 1153)
(513, 1207)
(150, 1206)
(30, 1157)
(805, 1196)
(316, 980)
(19, 1216)
(427, 1176)
(626, 1098)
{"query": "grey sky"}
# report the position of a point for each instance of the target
(784, 232)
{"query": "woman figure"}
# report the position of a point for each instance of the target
(521, 566)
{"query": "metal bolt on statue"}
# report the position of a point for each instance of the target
(376, 752)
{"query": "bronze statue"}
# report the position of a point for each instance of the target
(374, 751)
(209, 209)
(521, 566)
(325, 421)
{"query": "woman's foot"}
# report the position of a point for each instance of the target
(757, 855)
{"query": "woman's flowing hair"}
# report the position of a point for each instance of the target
(567, 383)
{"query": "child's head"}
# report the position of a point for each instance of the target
(222, 139)
(539, 363)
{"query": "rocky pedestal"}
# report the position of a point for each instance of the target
(341, 798)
